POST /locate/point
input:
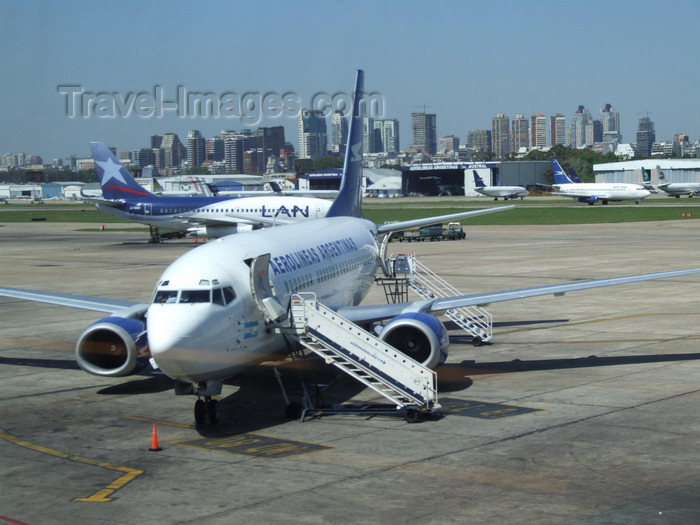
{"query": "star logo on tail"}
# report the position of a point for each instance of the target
(110, 170)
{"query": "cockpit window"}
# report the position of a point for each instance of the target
(229, 294)
(165, 296)
(195, 296)
(221, 296)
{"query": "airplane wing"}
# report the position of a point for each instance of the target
(96, 304)
(104, 202)
(415, 223)
(230, 220)
(369, 313)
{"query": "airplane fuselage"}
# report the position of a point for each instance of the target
(602, 191)
(205, 323)
(503, 191)
(680, 188)
(179, 213)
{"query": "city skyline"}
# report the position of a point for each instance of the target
(620, 54)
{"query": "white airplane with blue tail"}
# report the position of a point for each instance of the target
(216, 310)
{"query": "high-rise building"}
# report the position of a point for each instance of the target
(174, 151)
(270, 142)
(386, 135)
(143, 157)
(538, 131)
(235, 145)
(339, 132)
(610, 122)
(214, 149)
(369, 136)
(610, 119)
(557, 128)
(449, 143)
(500, 135)
(646, 136)
(312, 134)
(479, 140)
(520, 133)
(196, 151)
(424, 127)
(582, 117)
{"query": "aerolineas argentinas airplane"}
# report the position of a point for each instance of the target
(207, 216)
(209, 317)
(591, 192)
(507, 192)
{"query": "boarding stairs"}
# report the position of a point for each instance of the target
(403, 381)
(474, 320)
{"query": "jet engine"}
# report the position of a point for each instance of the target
(420, 336)
(114, 347)
(220, 231)
(590, 200)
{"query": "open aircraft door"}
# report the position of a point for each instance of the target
(263, 291)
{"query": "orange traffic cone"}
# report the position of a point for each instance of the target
(154, 441)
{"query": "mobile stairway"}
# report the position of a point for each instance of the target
(404, 271)
(474, 320)
(406, 383)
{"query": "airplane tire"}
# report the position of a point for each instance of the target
(200, 411)
(214, 411)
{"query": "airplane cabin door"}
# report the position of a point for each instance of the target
(262, 290)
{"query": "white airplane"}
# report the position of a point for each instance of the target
(676, 189)
(215, 309)
(208, 216)
(507, 192)
(591, 192)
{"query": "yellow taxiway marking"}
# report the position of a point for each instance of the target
(99, 496)
(159, 422)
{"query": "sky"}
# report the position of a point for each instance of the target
(464, 61)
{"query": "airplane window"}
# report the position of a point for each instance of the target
(195, 296)
(218, 297)
(165, 296)
(203, 282)
(229, 295)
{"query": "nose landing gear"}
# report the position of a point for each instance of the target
(207, 408)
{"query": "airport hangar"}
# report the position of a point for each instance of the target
(444, 178)
(457, 178)
(661, 170)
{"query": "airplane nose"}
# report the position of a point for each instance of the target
(172, 339)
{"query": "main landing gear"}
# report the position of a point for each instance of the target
(207, 408)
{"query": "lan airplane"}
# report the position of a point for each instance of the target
(507, 192)
(591, 192)
(214, 310)
(206, 216)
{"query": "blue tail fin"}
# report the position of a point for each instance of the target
(116, 182)
(478, 181)
(348, 202)
(560, 176)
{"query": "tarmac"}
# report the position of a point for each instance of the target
(584, 409)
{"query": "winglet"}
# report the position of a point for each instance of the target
(560, 176)
(348, 202)
(116, 182)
